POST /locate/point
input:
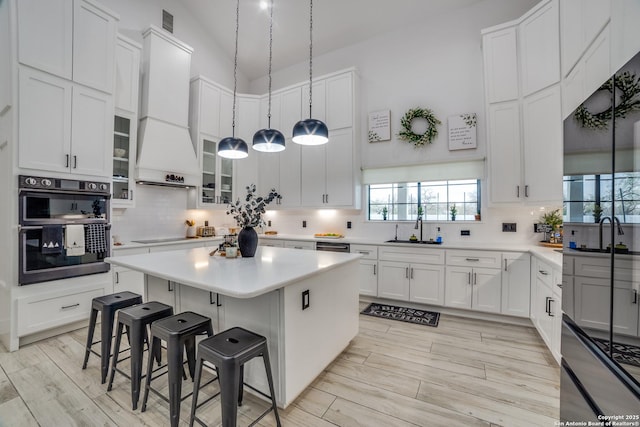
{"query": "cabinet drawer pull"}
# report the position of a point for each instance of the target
(469, 278)
(547, 305)
(75, 162)
(298, 247)
(518, 191)
(117, 278)
(327, 198)
(473, 259)
(406, 272)
(66, 307)
(374, 269)
(544, 273)
(412, 272)
(211, 301)
(475, 278)
(505, 265)
(526, 191)
(550, 301)
(66, 163)
(635, 297)
(169, 288)
(130, 194)
(364, 252)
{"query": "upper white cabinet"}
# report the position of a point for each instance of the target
(72, 39)
(542, 141)
(45, 34)
(524, 123)
(127, 74)
(625, 31)
(580, 22)
(539, 40)
(248, 120)
(501, 65)
(505, 151)
(319, 98)
(63, 127)
(339, 101)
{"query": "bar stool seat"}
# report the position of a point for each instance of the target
(136, 319)
(229, 351)
(107, 305)
(179, 331)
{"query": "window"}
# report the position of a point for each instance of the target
(585, 195)
(400, 201)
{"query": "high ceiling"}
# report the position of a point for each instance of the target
(336, 23)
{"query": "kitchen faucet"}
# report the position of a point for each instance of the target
(396, 232)
(419, 220)
(616, 220)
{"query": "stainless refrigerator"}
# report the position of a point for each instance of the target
(600, 370)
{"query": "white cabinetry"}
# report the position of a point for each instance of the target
(339, 101)
(127, 74)
(207, 126)
(128, 280)
(64, 127)
(411, 274)
(542, 141)
(625, 32)
(473, 280)
(368, 268)
(516, 284)
(245, 170)
(539, 48)
(546, 305)
(501, 65)
(74, 40)
(524, 123)
(161, 290)
(275, 243)
(201, 302)
(300, 244)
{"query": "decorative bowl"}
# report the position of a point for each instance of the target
(119, 152)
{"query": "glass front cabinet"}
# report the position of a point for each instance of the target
(217, 176)
(124, 160)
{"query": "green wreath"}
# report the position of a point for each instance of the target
(629, 86)
(418, 140)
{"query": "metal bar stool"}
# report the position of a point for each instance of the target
(179, 330)
(229, 351)
(136, 319)
(107, 305)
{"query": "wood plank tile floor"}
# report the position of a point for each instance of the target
(465, 372)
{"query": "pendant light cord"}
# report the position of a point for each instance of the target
(235, 71)
(270, 59)
(310, 53)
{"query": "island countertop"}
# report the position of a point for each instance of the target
(270, 268)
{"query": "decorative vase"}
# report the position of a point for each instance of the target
(191, 231)
(453, 217)
(247, 242)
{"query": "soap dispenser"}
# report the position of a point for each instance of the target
(439, 236)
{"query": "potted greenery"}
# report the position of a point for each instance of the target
(384, 212)
(248, 214)
(477, 215)
(454, 212)
(597, 213)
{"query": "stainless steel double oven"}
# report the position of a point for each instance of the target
(47, 204)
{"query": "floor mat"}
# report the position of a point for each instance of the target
(404, 314)
(622, 353)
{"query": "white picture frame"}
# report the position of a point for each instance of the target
(462, 131)
(379, 126)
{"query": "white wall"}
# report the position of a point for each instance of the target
(208, 58)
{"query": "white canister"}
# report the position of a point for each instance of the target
(231, 252)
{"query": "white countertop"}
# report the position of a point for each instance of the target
(129, 244)
(270, 269)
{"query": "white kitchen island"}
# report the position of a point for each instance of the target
(265, 294)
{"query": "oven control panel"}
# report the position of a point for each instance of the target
(43, 183)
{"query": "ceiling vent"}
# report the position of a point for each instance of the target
(167, 21)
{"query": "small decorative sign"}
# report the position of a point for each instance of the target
(380, 126)
(462, 131)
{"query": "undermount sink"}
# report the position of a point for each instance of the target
(419, 242)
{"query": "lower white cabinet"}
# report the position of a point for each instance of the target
(202, 302)
(164, 291)
(546, 305)
(411, 282)
(368, 268)
(128, 280)
(516, 284)
(300, 244)
(473, 288)
(271, 242)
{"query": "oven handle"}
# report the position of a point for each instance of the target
(23, 228)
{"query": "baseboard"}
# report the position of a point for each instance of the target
(28, 339)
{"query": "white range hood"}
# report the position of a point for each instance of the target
(166, 155)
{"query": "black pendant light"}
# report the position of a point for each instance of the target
(310, 131)
(232, 147)
(269, 140)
